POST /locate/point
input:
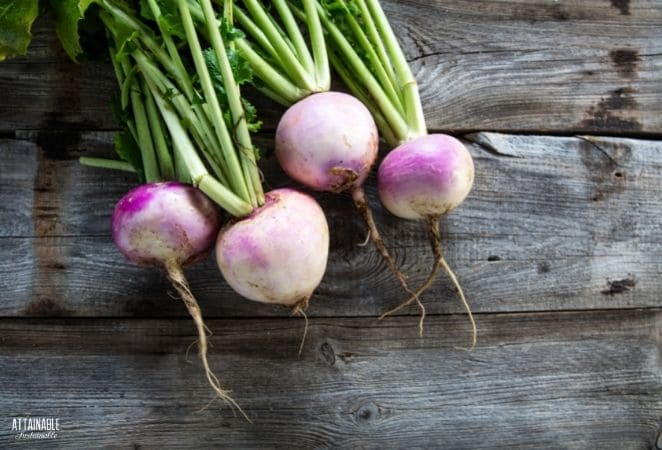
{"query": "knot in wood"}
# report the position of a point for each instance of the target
(367, 412)
(327, 352)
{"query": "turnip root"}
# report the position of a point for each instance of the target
(277, 254)
(169, 225)
(423, 179)
(164, 224)
(328, 142)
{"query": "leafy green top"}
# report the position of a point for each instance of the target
(16, 18)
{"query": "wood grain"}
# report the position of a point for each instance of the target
(567, 380)
(503, 65)
(553, 223)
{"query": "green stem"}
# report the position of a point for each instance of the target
(121, 78)
(166, 164)
(200, 178)
(376, 41)
(119, 74)
(412, 101)
(145, 35)
(374, 60)
(318, 45)
(363, 74)
(167, 37)
(360, 93)
(270, 76)
(150, 165)
(257, 35)
(228, 11)
(141, 129)
(127, 83)
(290, 62)
(281, 89)
(243, 139)
(181, 170)
(275, 96)
(195, 116)
(234, 169)
(104, 163)
(294, 34)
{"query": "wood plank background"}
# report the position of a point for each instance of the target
(562, 380)
(559, 249)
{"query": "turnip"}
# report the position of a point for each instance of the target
(278, 251)
(275, 254)
(328, 142)
(170, 225)
(424, 179)
(425, 176)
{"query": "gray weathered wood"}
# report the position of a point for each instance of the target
(566, 380)
(536, 65)
(553, 223)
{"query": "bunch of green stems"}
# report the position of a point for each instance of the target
(173, 113)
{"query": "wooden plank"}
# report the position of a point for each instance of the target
(536, 65)
(567, 380)
(552, 224)
(509, 65)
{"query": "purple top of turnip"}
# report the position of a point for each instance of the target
(159, 223)
(427, 176)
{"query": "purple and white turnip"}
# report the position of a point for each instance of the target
(277, 254)
(423, 179)
(169, 225)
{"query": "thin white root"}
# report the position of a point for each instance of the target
(188, 350)
(474, 330)
(305, 332)
(409, 301)
(440, 262)
(364, 243)
(422, 318)
(300, 310)
(178, 280)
